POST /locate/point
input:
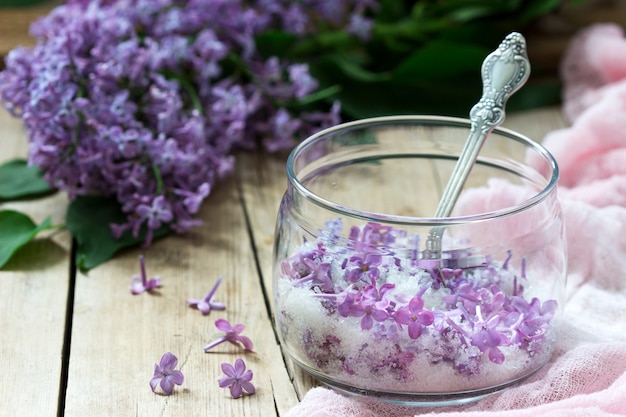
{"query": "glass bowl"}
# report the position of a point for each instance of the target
(365, 306)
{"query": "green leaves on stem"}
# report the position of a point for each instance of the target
(87, 219)
(423, 57)
(19, 180)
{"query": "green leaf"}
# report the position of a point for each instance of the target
(271, 43)
(17, 230)
(19, 180)
(88, 219)
(538, 8)
(323, 94)
(440, 60)
(349, 64)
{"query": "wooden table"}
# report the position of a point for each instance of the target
(82, 345)
(77, 344)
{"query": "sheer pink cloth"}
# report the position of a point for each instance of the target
(587, 373)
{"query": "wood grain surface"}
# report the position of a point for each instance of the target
(77, 344)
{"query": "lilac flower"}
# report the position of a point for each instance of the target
(162, 94)
(282, 128)
(386, 331)
(376, 234)
(414, 316)
(303, 83)
(346, 300)
(140, 283)
(318, 277)
(372, 305)
(366, 266)
(487, 337)
(530, 320)
(156, 213)
(308, 268)
(237, 378)
(332, 230)
(361, 27)
(397, 363)
(207, 303)
(165, 375)
(232, 335)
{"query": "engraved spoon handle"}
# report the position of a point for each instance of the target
(503, 72)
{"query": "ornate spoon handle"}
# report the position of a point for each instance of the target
(503, 72)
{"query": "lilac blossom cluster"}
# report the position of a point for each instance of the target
(147, 100)
(455, 313)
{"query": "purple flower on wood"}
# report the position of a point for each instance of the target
(165, 375)
(140, 283)
(237, 378)
(232, 335)
(207, 303)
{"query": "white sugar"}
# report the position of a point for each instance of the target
(452, 354)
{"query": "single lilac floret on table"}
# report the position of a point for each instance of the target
(140, 283)
(237, 378)
(207, 303)
(233, 335)
(369, 305)
(165, 375)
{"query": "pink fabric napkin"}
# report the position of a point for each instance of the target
(587, 374)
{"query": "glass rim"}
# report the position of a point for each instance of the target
(412, 220)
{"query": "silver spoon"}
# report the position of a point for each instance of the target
(503, 72)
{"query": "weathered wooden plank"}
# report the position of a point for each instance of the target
(117, 337)
(34, 289)
(263, 183)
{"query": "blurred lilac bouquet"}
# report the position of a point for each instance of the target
(146, 101)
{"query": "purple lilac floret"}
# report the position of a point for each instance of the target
(165, 375)
(207, 303)
(237, 378)
(146, 101)
(464, 316)
(233, 335)
(140, 283)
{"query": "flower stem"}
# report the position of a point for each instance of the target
(212, 291)
(214, 343)
(142, 265)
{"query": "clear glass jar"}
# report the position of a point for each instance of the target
(360, 302)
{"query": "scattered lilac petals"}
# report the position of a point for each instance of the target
(207, 303)
(165, 375)
(140, 283)
(232, 335)
(237, 378)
